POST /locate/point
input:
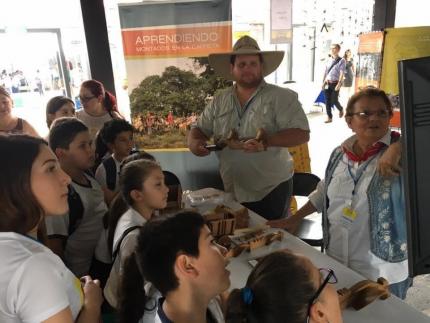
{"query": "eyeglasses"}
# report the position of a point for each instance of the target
(383, 114)
(328, 277)
(86, 98)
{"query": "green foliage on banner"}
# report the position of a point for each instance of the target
(176, 90)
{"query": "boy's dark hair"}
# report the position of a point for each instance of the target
(64, 131)
(113, 128)
(281, 289)
(158, 245)
(20, 211)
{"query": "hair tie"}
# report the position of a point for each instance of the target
(247, 295)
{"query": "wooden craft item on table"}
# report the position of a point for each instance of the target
(363, 293)
(241, 215)
(258, 240)
(220, 223)
(234, 142)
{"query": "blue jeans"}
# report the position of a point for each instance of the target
(400, 289)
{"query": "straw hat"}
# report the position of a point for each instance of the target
(245, 46)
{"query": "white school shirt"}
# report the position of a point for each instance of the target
(82, 242)
(35, 283)
(100, 174)
(350, 241)
(129, 219)
(214, 308)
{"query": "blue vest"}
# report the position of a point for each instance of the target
(386, 213)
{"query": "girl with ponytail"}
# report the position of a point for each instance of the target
(142, 191)
(181, 259)
(99, 106)
(288, 288)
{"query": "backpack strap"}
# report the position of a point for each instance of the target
(337, 60)
(76, 209)
(110, 167)
(124, 234)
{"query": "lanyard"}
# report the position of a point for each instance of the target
(242, 110)
(359, 173)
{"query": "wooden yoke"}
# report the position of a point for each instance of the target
(363, 293)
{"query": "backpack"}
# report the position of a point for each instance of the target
(76, 209)
(111, 173)
(100, 269)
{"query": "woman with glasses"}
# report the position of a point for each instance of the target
(99, 106)
(285, 287)
(363, 211)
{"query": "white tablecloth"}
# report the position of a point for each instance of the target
(392, 310)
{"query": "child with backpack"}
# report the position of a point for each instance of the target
(142, 189)
(117, 135)
(75, 235)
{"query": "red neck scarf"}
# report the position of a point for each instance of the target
(376, 148)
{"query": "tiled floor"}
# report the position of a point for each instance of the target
(324, 138)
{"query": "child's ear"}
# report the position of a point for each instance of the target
(136, 195)
(184, 266)
(60, 153)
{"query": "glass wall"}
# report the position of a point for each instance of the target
(43, 54)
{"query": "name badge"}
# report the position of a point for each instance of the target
(349, 213)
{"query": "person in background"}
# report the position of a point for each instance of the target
(99, 106)
(143, 190)
(260, 174)
(364, 222)
(75, 235)
(348, 81)
(117, 134)
(180, 258)
(9, 124)
(332, 82)
(285, 287)
(58, 107)
(36, 285)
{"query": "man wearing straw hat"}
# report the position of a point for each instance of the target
(259, 174)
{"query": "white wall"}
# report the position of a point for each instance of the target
(412, 13)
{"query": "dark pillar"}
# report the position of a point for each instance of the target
(93, 15)
(384, 14)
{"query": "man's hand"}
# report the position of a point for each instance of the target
(253, 146)
(197, 141)
(338, 86)
(197, 147)
(389, 163)
(291, 224)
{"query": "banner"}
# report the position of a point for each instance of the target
(166, 45)
(280, 21)
(179, 41)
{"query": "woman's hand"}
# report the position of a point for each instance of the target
(389, 163)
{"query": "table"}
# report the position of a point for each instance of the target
(392, 310)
